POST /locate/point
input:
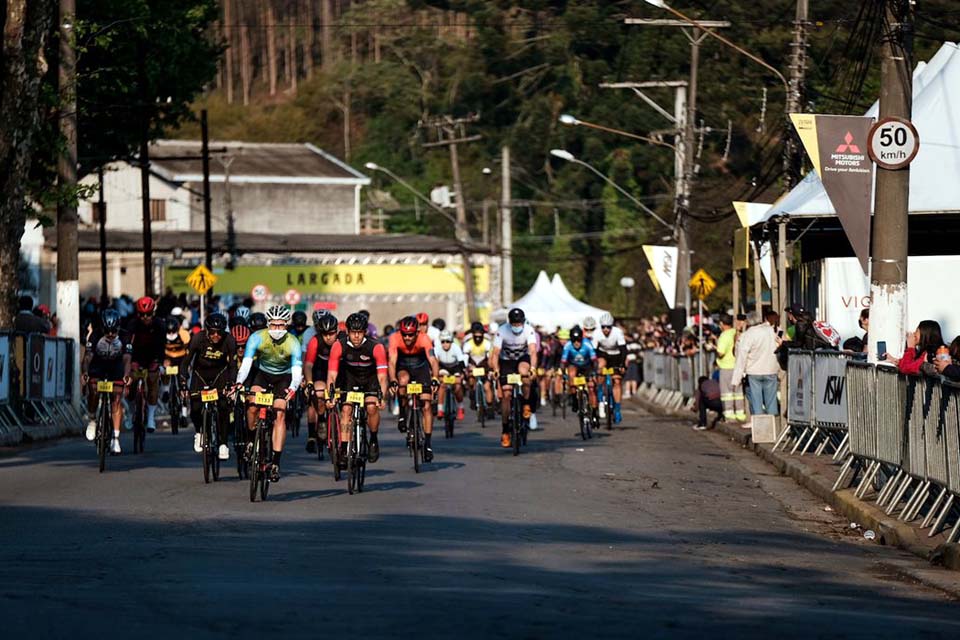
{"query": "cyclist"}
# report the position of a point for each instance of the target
(477, 349)
(298, 325)
(611, 352)
(424, 326)
(315, 367)
(579, 359)
(514, 351)
(148, 337)
(589, 326)
(364, 365)
(240, 335)
(563, 337)
(107, 357)
(411, 358)
(257, 322)
(175, 347)
(279, 371)
(212, 361)
(452, 362)
(241, 316)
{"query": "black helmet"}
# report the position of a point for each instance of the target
(171, 325)
(299, 319)
(364, 313)
(258, 321)
(110, 320)
(318, 315)
(516, 315)
(357, 322)
(327, 323)
(439, 323)
(476, 327)
(215, 322)
(576, 334)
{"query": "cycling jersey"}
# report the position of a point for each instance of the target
(107, 355)
(452, 357)
(414, 356)
(318, 357)
(580, 358)
(514, 346)
(476, 353)
(359, 364)
(147, 341)
(274, 357)
(177, 348)
(612, 344)
(211, 364)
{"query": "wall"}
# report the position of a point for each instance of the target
(124, 210)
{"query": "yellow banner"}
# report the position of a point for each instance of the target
(741, 248)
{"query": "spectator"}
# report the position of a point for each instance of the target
(921, 349)
(864, 323)
(43, 311)
(732, 397)
(707, 398)
(757, 362)
(27, 321)
(950, 368)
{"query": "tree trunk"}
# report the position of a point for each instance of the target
(292, 45)
(228, 54)
(347, 118)
(326, 35)
(26, 26)
(246, 63)
(270, 26)
(311, 40)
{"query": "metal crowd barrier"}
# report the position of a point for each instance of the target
(671, 380)
(816, 403)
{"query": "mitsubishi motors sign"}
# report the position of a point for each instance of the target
(837, 146)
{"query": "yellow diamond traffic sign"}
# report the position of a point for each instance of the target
(702, 284)
(201, 279)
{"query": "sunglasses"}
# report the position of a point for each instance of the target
(446, 342)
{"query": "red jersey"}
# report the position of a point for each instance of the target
(370, 356)
(422, 346)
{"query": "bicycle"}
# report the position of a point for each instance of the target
(139, 377)
(559, 400)
(583, 407)
(209, 432)
(358, 447)
(293, 414)
(104, 418)
(518, 425)
(333, 434)
(479, 395)
(414, 421)
(262, 454)
(238, 418)
(606, 393)
(175, 406)
(449, 405)
(320, 407)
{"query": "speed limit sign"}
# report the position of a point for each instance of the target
(259, 293)
(893, 143)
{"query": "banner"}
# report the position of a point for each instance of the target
(49, 369)
(653, 279)
(663, 260)
(830, 378)
(800, 388)
(741, 248)
(35, 367)
(837, 146)
(62, 367)
(4, 369)
(750, 213)
(766, 263)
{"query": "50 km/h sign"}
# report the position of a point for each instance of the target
(893, 143)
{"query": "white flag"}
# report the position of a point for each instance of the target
(766, 262)
(663, 260)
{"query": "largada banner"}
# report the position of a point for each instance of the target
(663, 261)
(837, 146)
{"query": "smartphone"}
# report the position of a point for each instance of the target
(780, 334)
(881, 349)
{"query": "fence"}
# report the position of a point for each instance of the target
(36, 382)
(672, 379)
(817, 412)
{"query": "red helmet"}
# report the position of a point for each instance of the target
(423, 318)
(240, 333)
(407, 326)
(43, 310)
(146, 304)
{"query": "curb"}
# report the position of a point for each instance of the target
(889, 530)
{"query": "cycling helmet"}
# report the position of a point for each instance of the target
(240, 333)
(242, 313)
(327, 323)
(146, 305)
(563, 334)
(318, 316)
(357, 322)
(277, 313)
(476, 327)
(446, 336)
(589, 324)
(606, 320)
(110, 320)
(299, 319)
(422, 318)
(172, 325)
(407, 326)
(516, 315)
(215, 322)
(258, 321)
(440, 324)
(576, 334)
(364, 313)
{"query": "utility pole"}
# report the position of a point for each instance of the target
(68, 270)
(506, 229)
(205, 153)
(888, 262)
(102, 219)
(451, 132)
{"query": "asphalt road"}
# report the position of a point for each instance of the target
(653, 531)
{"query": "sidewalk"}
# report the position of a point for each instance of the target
(817, 474)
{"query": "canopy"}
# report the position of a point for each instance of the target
(934, 187)
(550, 304)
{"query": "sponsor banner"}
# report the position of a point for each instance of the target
(63, 366)
(49, 369)
(800, 388)
(766, 262)
(4, 368)
(663, 261)
(314, 280)
(35, 363)
(750, 213)
(830, 377)
(837, 146)
(741, 248)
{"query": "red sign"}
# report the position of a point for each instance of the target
(324, 305)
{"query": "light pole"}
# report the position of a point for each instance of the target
(573, 121)
(627, 283)
(458, 230)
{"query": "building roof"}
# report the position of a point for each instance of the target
(291, 163)
(192, 241)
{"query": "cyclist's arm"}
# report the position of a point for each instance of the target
(380, 359)
(187, 363)
(532, 350)
(333, 368)
(434, 363)
(392, 363)
(310, 358)
(230, 348)
(296, 365)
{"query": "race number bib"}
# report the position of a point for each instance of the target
(263, 399)
(209, 395)
(414, 387)
(355, 397)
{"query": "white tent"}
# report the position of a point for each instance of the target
(550, 304)
(933, 177)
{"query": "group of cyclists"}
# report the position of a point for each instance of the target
(277, 353)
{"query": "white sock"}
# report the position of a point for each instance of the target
(151, 412)
(116, 433)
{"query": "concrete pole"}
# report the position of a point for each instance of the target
(104, 295)
(506, 229)
(888, 263)
(689, 129)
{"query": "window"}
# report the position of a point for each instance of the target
(158, 210)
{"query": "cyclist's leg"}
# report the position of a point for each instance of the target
(316, 411)
(523, 368)
(403, 377)
(153, 397)
(591, 387)
(441, 394)
(373, 423)
(116, 410)
(571, 388)
(252, 408)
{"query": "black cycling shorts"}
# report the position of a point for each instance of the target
(347, 381)
(615, 360)
(277, 384)
(454, 369)
(508, 367)
(106, 370)
(418, 374)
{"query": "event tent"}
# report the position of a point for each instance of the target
(550, 304)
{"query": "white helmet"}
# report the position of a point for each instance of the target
(278, 312)
(589, 324)
(446, 336)
(242, 312)
(606, 320)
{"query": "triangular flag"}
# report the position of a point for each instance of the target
(663, 261)
(750, 213)
(653, 279)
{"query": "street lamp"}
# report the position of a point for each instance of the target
(563, 154)
(628, 283)
(572, 121)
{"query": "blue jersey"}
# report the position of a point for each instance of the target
(579, 358)
(273, 357)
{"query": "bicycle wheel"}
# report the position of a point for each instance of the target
(608, 398)
(333, 439)
(240, 436)
(139, 425)
(265, 454)
(104, 423)
(215, 442)
(255, 469)
(417, 440)
(563, 402)
(352, 467)
(205, 446)
(362, 460)
(515, 417)
(175, 412)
